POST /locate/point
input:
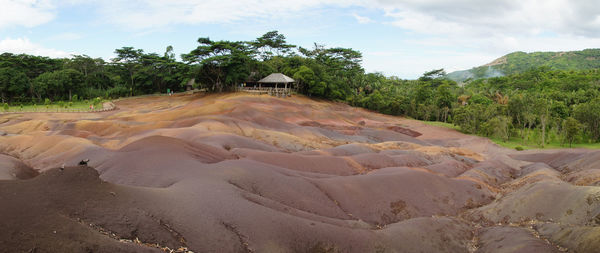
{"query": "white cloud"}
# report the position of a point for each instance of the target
(439, 33)
(26, 13)
(144, 14)
(485, 18)
(67, 36)
(24, 46)
(361, 19)
(410, 64)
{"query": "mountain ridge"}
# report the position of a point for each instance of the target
(518, 62)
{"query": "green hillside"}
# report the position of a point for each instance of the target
(519, 62)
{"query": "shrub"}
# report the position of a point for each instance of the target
(519, 148)
(97, 101)
(117, 91)
(74, 97)
(5, 106)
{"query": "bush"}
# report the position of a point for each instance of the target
(97, 101)
(117, 91)
(5, 107)
(519, 148)
(92, 93)
(74, 97)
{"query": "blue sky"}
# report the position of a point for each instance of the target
(404, 38)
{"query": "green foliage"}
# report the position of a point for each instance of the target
(519, 148)
(588, 113)
(536, 98)
(520, 62)
(572, 129)
(5, 107)
(117, 92)
(97, 102)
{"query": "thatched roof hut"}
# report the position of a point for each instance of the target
(272, 84)
(277, 78)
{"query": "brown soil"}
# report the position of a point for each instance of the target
(253, 173)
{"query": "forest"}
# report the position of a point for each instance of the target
(518, 62)
(538, 106)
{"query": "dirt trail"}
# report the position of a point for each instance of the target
(254, 173)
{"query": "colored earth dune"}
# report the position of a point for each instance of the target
(255, 173)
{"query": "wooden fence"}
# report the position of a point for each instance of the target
(108, 106)
(278, 92)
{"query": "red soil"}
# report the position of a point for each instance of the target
(244, 173)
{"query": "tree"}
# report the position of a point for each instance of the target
(542, 109)
(444, 100)
(499, 127)
(589, 114)
(57, 85)
(270, 44)
(434, 74)
(305, 77)
(129, 58)
(571, 128)
(222, 63)
(13, 84)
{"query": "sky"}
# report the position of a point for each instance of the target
(404, 38)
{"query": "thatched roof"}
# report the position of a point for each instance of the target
(277, 78)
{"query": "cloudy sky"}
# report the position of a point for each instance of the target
(397, 37)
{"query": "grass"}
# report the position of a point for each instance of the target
(442, 124)
(518, 142)
(515, 142)
(54, 107)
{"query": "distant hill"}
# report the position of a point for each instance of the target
(518, 62)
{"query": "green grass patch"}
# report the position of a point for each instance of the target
(64, 106)
(442, 124)
(516, 141)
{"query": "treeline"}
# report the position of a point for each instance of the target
(214, 65)
(32, 79)
(538, 106)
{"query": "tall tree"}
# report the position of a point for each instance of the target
(271, 44)
(222, 63)
(13, 84)
(129, 58)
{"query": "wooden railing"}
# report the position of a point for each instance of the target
(278, 92)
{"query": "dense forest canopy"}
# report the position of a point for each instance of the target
(539, 104)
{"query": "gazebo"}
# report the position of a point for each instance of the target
(273, 80)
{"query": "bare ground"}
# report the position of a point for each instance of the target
(245, 173)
